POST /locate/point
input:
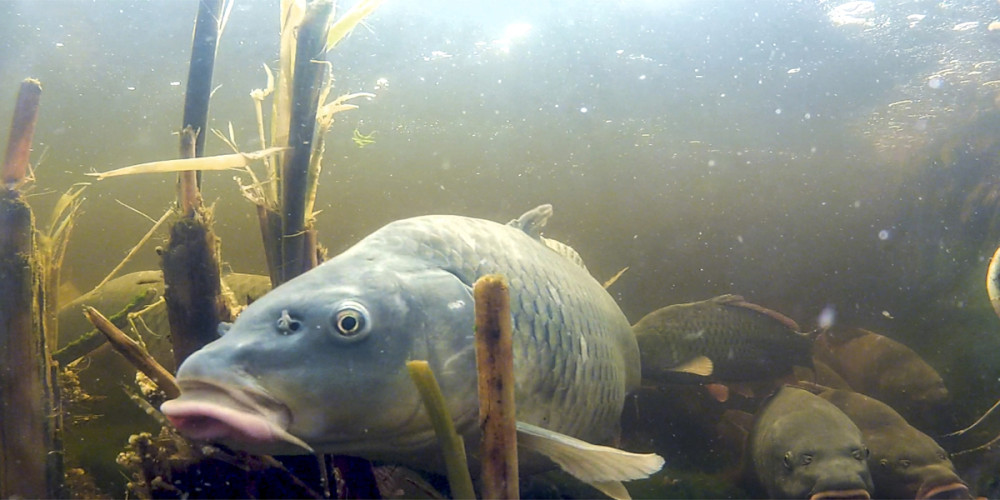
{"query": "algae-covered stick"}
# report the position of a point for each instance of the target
(495, 365)
(134, 353)
(451, 443)
(307, 80)
(22, 128)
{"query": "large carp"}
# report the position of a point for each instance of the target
(318, 364)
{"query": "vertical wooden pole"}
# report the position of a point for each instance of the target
(495, 365)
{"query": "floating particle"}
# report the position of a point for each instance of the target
(826, 317)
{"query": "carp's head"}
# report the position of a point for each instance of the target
(318, 364)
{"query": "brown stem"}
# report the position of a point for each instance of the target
(22, 128)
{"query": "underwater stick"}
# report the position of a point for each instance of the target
(495, 365)
(307, 80)
(134, 353)
(22, 128)
(452, 445)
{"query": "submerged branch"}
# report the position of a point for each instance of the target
(134, 353)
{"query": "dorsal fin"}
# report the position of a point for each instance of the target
(532, 221)
(738, 301)
(564, 250)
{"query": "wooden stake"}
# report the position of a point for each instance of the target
(495, 365)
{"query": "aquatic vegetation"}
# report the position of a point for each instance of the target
(218, 162)
(361, 140)
(452, 444)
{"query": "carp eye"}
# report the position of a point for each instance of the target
(860, 454)
(351, 320)
(288, 325)
(904, 463)
(806, 460)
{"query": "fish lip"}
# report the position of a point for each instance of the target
(245, 414)
(953, 490)
(832, 494)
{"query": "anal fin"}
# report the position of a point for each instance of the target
(602, 467)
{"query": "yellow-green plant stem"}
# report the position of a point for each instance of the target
(452, 444)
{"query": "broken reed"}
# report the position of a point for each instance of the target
(495, 365)
(30, 416)
(306, 85)
(22, 129)
(191, 272)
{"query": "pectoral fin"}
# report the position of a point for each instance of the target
(603, 467)
(700, 365)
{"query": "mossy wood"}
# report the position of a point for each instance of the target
(195, 302)
(495, 366)
(30, 460)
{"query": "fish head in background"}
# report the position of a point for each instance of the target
(802, 446)
(321, 360)
(904, 462)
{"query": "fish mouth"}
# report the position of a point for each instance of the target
(945, 491)
(859, 493)
(242, 416)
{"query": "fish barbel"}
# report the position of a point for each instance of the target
(318, 364)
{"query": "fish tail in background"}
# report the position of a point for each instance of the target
(602, 467)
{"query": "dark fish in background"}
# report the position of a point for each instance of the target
(904, 462)
(725, 339)
(802, 446)
(888, 371)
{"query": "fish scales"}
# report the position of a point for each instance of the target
(551, 290)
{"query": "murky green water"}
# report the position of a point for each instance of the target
(763, 148)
